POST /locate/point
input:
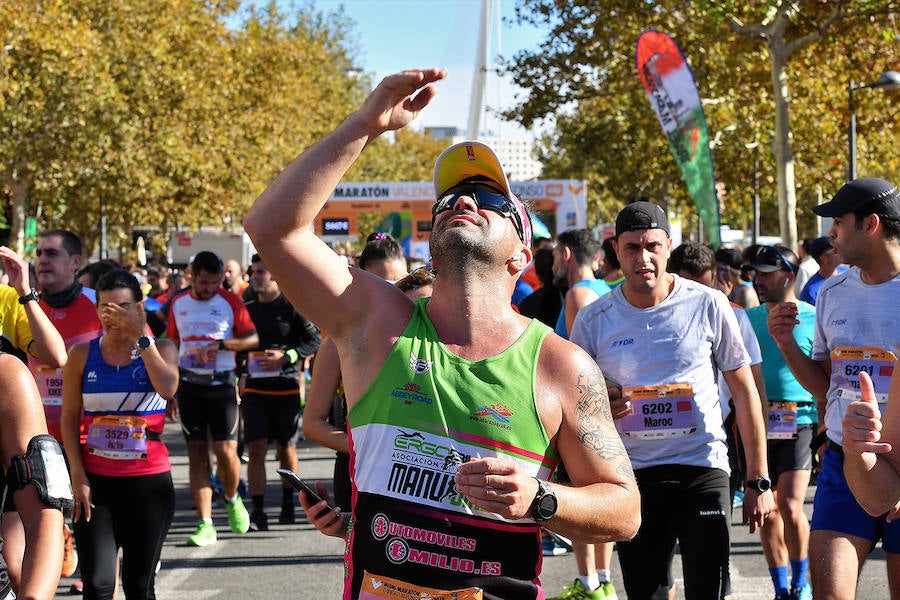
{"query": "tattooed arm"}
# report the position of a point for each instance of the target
(603, 503)
(604, 497)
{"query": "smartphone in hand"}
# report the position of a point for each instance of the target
(298, 484)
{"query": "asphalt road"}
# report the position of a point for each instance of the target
(295, 561)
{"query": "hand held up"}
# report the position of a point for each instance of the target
(862, 422)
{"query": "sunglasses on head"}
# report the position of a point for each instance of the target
(485, 197)
(772, 249)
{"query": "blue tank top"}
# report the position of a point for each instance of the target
(599, 287)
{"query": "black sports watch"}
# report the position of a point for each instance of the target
(544, 505)
(32, 295)
(145, 342)
(760, 484)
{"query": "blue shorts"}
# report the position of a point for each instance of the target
(835, 508)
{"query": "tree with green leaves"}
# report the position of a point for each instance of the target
(583, 80)
(168, 114)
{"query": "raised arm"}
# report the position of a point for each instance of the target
(871, 463)
(47, 344)
(317, 282)
(812, 375)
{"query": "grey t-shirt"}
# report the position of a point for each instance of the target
(857, 319)
(682, 340)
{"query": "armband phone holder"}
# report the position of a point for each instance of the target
(44, 467)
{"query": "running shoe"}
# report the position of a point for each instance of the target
(803, 592)
(70, 557)
(238, 517)
(576, 591)
(609, 590)
(204, 536)
(738, 499)
(286, 517)
(259, 521)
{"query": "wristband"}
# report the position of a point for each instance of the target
(222, 345)
(293, 356)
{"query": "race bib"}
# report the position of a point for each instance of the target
(193, 358)
(659, 411)
(375, 587)
(847, 362)
(49, 382)
(254, 369)
(782, 421)
(118, 438)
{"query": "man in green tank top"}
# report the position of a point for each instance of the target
(459, 408)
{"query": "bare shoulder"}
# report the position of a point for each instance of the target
(78, 356)
(21, 412)
(13, 373)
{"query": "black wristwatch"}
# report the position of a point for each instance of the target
(544, 505)
(145, 342)
(761, 484)
(32, 295)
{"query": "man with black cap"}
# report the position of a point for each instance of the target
(829, 261)
(458, 407)
(658, 339)
(792, 421)
(856, 330)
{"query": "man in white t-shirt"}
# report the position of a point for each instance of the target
(658, 338)
(856, 330)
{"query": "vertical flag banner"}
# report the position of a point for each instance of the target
(670, 85)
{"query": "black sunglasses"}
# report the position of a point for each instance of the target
(484, 197)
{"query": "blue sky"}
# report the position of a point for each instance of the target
(393, 35)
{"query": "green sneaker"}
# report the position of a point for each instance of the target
(238, 517)
(609, 590)
(204, 536)
(576, 591)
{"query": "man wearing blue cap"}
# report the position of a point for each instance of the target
(829, 261)
(658, 338)
(458, 407)
(856, 330)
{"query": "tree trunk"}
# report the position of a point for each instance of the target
(781, 147)
(18, 189)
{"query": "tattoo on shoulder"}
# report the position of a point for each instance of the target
(595, 423)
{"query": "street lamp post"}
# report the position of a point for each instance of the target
(888, 81)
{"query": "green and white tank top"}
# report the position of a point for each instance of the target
(428, 411)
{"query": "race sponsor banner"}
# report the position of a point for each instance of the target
(672, 91)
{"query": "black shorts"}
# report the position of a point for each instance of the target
(270, 417)
(685, 504)
(210, 408)
(791, 455)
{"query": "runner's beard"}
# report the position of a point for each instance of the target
(456, 248)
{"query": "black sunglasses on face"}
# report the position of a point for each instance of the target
(484, 197)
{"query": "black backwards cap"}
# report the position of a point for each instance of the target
(871, 193)
(820, 246)
(641, 215)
